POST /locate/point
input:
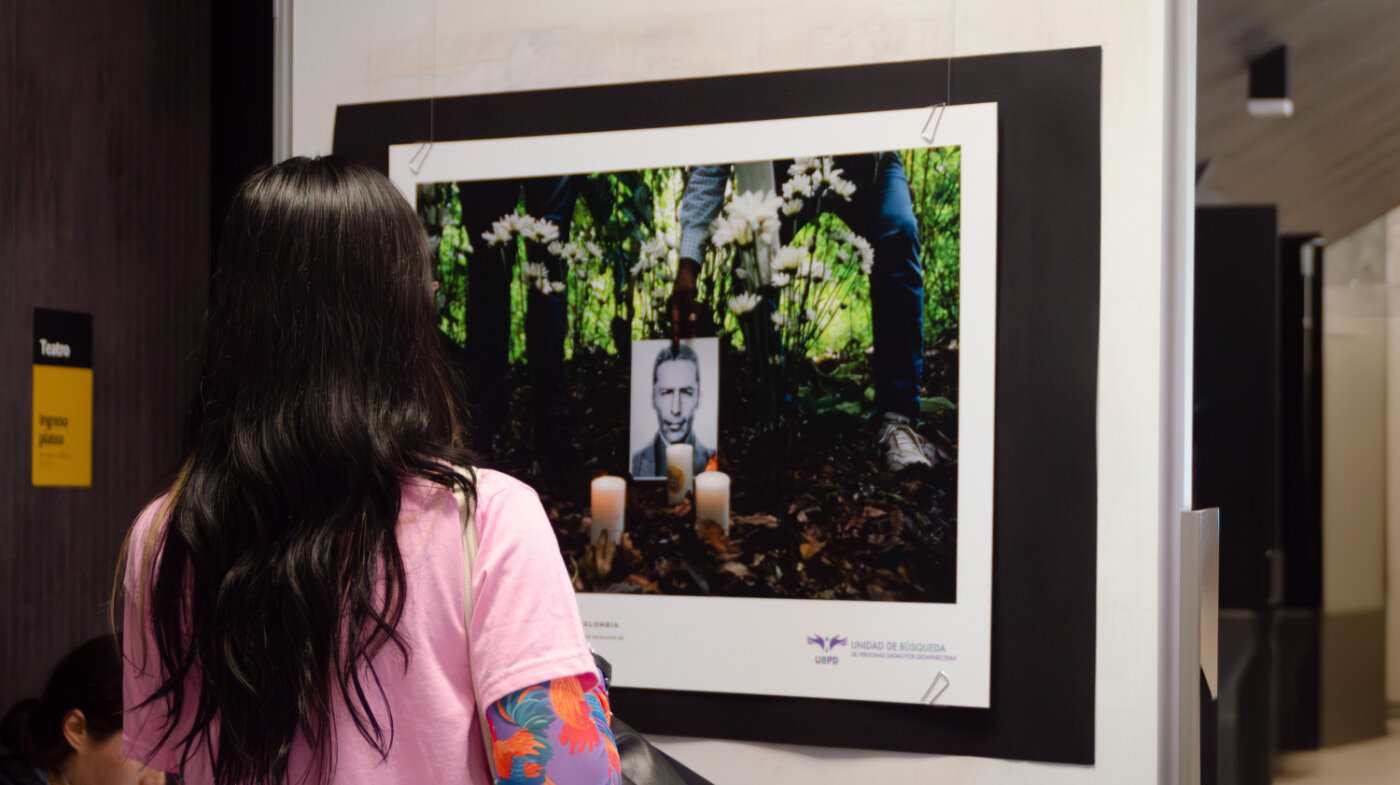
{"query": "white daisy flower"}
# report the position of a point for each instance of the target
(792, 207)
(789, 258)
(800, 185)
(862, 246)
(538, 229)
(535, 270)
(781, 279)
(817, 271)
(723, 235)
(653, 248)
(779, 318)
(742, 304)
(750, 217)
(499, 234)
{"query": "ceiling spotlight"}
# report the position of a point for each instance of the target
(1268, 84)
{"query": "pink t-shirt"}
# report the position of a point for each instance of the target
(525, 630)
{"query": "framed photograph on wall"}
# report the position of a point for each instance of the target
(847, 279)
(901, 290)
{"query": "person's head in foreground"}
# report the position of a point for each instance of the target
(675, 391)
(322, 389)
(72, 733)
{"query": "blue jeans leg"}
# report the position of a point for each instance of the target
(885, 217)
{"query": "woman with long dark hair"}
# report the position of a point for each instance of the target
(71, 733)
(294, 606)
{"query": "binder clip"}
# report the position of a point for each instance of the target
(936, 689)
(415, 164)
(935, 116)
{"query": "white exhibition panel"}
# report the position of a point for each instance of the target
(760, 646)
(349, 51)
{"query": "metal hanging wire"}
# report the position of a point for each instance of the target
(415, 164)
(935, 115)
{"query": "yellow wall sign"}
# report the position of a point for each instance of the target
(61, 449)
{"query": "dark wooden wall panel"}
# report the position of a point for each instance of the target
(104, 172)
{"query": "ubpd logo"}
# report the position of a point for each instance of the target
(826, 645)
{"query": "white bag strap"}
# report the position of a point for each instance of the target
(467, 512)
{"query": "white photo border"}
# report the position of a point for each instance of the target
(759, 646)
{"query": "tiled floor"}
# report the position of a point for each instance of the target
(1375, 762)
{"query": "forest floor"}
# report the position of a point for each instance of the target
(814, 514)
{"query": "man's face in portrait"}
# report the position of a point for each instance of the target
(675, 394)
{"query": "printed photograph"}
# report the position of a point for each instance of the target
(675, 401)
(793, 322)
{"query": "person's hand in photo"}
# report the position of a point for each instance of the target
(682, 300)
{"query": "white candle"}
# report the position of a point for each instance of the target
(609, 502)
(680, 466)
(712, 498)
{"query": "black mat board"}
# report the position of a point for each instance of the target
(1045, 498)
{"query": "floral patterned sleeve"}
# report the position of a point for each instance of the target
(554, 732)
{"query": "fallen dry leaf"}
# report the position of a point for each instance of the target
(603, 553)
(874, 512)
(629, 548)
(877, 592)
(713, 533)
(761, 519)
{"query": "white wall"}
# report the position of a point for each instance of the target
(1354, 498)
(362, 50)
(1354, 417)
(1392, 473)
(1361, 459)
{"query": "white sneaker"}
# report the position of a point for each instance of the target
(901, 444)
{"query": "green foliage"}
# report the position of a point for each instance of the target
(618, 263)
(440, 208)
(935, 183)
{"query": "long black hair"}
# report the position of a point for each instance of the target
(88, 679)
(323, 386)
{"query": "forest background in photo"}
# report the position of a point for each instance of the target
(785, 285)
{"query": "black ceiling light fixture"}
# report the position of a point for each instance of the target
(1268, 84)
